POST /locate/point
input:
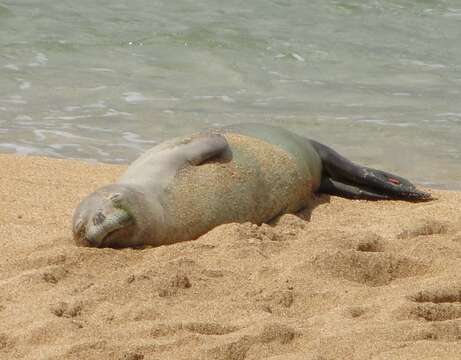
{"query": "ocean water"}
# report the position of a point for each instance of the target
(380, 81)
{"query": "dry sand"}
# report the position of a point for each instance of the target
(360, 280)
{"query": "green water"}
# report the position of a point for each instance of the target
(380, 81)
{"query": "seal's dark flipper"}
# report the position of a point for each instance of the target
(205, 147)
(396, 186)
(337, 188)
(350, 178)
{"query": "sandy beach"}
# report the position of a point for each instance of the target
(358, 280)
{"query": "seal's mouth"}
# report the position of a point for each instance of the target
(115, 238)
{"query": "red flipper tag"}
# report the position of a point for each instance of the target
(393, 181)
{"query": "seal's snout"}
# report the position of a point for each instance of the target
(104, 224)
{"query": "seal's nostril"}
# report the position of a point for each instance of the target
(99, 219)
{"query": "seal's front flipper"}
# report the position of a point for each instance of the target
(343, 170)
(337, 188)
(205, 147)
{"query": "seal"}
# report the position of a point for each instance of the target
(184, 187)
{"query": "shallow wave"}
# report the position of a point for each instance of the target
(106, 80)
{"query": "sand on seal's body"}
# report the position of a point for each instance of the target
(360, 280)
(244, 199)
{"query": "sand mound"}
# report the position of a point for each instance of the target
(360, 280)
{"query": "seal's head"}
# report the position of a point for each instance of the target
(106, 218)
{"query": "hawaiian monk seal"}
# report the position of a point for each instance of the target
(184, 187)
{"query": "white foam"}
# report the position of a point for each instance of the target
(14, 99)
(453, 12)
(224, 98)
(20, 149)
(99, 105)
(113, 112)
(67, 117)
(424, 64)
(24, 85)
(93, 128)
(11, 67)
(298, 57)
(99, 151)
(23, 118)
(276, 73)
(171, 98)
(134, 97)
(132, 137)
(97, 88)
(101, 69)
(384, 122)
(315, 82)
(72, 108)
(39, 60)
(62, 146)
(41, 134)
(449, 114)
(373, 121)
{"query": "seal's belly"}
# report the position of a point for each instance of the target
(255, 182)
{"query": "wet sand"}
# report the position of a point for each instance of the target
(360, 280)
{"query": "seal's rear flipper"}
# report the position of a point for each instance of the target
(337, 188)
(396, 186)
(353, 177)
(205, 147)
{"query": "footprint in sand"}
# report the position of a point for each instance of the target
(370, 242)
(424, 227)
(277, 302)
(67, 310)
(253, 241)
(201, 328)
(54, 274)
(273, 336)
(171, 334)
(130, 356)
(5, 342)
(204, 328)
(437, 304)
(93, 349)
(355, 312)
(445, 331)
(174, 284)
(367, 267)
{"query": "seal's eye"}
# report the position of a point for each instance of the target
(116, 198)
(99, 219)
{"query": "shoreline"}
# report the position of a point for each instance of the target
(385, 271)
(450, 186)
